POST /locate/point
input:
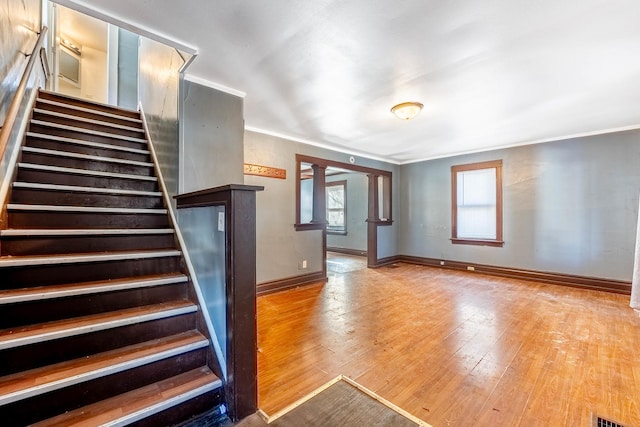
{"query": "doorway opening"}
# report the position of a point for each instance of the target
(328, 193)
(346, 205)
(92, 59)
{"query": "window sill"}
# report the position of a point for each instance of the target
(380, 221)
(309, 226)
(336, 232)
(478, 242)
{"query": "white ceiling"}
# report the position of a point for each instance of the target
(490, 73)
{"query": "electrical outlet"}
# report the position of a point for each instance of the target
(304, 263)
(441, 262)
(470, 268)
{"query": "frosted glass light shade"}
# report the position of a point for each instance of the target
(407, 110)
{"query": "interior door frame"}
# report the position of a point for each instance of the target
(374, 186)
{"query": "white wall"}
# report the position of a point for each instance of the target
(94, 75)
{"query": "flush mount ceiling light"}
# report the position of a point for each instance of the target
(407, 110)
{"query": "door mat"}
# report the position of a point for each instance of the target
(343, 402)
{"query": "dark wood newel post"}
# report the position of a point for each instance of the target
(319, 198)
(240, 260)
(373, 217)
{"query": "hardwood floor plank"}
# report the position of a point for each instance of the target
(455, 348)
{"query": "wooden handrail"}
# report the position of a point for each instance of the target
(14, 107)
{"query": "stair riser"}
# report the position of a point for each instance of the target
(90, 105)
(112, 140)
(67, 162)
(63, 244)
(52, 197)
(74, 260)
(26, 277)
(56, 402)
(44, 177)
(88, 220)
(50, 352)
(91, 126)
(199, 405)
(85, 114)
(16, 315)
(82, 149)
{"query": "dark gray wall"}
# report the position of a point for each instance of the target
(158, 89)
(212, 127)
(357, 192)
(280, 248)
(569, 207)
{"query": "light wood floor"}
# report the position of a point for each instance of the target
(455, 348)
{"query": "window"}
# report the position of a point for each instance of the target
(336, 207)
(312, 196)
(476, 193)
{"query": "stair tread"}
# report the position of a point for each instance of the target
(24, 335)
(95, 136)
(86, 209)
(139, 403)
(88, 157)
(33, 260)
(88, 110)
(86, 143)
(62, 97)
(61, 169)
(75, 188)
(87, 120)
(11, 296)
(53, 232)
(88, 131)
(37, 381)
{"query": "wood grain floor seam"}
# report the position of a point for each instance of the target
(454, 348)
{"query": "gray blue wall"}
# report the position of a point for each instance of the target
(569, 207)
(127, 69)
(212, 128)
(357, 211)
(280, 247)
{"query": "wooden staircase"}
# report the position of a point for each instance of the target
(99, 323)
